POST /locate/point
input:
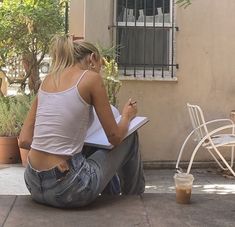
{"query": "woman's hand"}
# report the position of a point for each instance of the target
(130, 109)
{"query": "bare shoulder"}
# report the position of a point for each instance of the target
(94, 78)
(94, 75)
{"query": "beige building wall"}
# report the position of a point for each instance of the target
(205, 50)
(91, 19)
(97, 20)
(77, 18)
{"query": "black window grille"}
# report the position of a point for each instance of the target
(145, 32)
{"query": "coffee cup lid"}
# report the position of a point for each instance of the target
(183, 175)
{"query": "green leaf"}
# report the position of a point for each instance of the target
(13, 110)
(26, 27)
(184, 3)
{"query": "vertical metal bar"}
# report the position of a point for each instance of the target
(126, 38)
(135, 36)
(66, 17)
(154, 35)
(117, 30)
(172, 37)
(163, 33)
(145, 10)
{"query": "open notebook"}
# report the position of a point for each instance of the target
(96, 136)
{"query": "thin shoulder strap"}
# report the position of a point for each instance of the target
(40, 87)
(80, 78)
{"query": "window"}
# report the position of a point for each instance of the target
(145, 38)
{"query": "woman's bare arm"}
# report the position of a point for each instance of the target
(115, 132)
(26, 134)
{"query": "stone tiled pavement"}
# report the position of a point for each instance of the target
(212, 204)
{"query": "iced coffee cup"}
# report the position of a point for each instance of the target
(183, 187)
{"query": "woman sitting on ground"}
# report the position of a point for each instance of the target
(61, 171)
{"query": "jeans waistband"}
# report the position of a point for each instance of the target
(60, 170)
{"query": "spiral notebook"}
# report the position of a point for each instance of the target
(96, 136)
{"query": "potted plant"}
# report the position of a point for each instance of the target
(13, 110)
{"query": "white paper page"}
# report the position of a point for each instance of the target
(96, 125)
(136, 123)
(99, 139)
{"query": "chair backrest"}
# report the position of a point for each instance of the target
(198, 121)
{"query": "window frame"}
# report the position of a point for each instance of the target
(151, 74)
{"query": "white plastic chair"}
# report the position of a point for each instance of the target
(212, 140)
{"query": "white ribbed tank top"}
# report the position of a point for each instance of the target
(62, 120)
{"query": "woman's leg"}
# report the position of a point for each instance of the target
(113, 187)
(126, 159)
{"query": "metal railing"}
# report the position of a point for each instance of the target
(145, 37)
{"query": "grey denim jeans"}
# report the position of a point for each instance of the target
(88, 176)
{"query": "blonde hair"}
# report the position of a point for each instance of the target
(61, 52)
(65, 53)
(82, 49)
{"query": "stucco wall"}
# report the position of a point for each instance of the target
(90, 19)
(205, 54)
(77, 18)
(98, 18)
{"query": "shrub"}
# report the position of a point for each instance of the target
(111, 80)
(13, 110)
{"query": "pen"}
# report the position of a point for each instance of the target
(132, 103)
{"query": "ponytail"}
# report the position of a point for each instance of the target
(62, 54)
(65, 53)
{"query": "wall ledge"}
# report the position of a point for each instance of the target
(158, 79)
(183, 165)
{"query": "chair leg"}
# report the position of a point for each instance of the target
(231, 161)
(225, 162)
(193, 155)
(216, 160)
(179, 156)
(232, 156)
(182, 149)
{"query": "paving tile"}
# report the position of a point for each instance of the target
(204, 210)
(159, 181)
(6, 203)
(105, 212)
(12, 181)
